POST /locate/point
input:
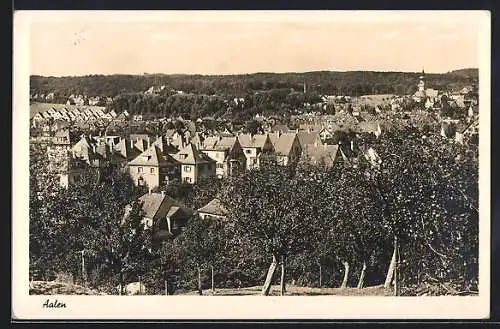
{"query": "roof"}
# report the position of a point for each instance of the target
(284, 144)
(419, 93)
(368, 126)
(219, 143)
(306, 138)
(214, 207)
(280, 128)
(273, 137)
(325, 154)
(141, 145)
(193, 155)
(170, 132)
(165, 146)
(158, 205)
(153, 156)
(431, 92)
(257, 140)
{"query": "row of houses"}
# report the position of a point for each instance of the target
(75, 114)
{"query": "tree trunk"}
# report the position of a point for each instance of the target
(200, 292)
(320, 276)
(213, 285)
(283, 287)
(361, 281)
(392, 267)
(269, 277)
(346, 274)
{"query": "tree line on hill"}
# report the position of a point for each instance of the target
(353, 83)
(409, 221)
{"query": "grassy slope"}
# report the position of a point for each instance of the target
(299, 291)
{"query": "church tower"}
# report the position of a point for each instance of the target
(421, 82)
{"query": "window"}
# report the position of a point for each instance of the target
(183, 156)
(152, 170)
(248, 151)
(139, 169)
(220, 165)
(187, 179)
(187, 168)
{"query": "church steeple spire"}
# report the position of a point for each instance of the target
(421, 83)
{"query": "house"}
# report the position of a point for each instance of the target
(85, 150)
(321, 155)
(468, 132)
(213, 210)
(325, 134)
(449, 128)
(369, 127)
(37, 119)
(288, 149)
(153, 168)
(124, 151)
(195, 164)
(273, 137)
(58, 151)
(165, 145)
(227, 152)
(254, 146)
(121, 117)
(280, 128)
(165, 215)
(309, 138)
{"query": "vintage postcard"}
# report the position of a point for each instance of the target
(251, 165)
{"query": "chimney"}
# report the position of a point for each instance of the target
(93, 147)
(149, 141)
(162, 193)
(131, 143)
(149, 190)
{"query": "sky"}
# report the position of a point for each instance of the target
(207, 43)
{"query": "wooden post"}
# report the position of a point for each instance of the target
(199, 281)
(320, 276)
(396, 268)
(213, 284)
(84, 277)
(166, 288)
(282, 284)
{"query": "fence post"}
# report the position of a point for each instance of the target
(320, 275)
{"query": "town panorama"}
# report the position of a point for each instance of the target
(318, 183)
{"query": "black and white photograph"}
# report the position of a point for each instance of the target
(197, 164)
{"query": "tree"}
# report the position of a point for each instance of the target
(99, 216)
(272, 206)
(425, 196)
(253, 127)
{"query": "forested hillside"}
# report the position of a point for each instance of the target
(351, 83)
